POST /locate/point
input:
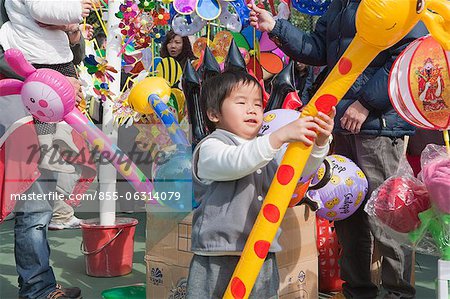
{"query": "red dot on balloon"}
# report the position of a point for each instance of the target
(345, 65)
(271, 213)
(325, 102)
(261, 248)
(237, 288)
(285, 174)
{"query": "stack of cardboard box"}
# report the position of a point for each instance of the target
(168, 255)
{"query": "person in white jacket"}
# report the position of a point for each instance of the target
(233, 168)
(38, 28)
(42, 30)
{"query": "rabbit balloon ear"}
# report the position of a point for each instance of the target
(18, 63)
(10, 87)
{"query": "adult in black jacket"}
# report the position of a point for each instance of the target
(367, 130)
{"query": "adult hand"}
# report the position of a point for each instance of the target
(86, 7)
(354, 117)
(261, 19)
(87, 31)
(77, 86)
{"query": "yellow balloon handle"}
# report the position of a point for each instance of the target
(291, 168)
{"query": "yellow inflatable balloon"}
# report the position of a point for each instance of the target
(379, 25)
(138, 98)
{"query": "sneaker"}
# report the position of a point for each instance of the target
(65, 293)
(73, 223)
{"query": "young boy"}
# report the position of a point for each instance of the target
(233, 168)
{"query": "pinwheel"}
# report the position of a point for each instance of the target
(99, 67)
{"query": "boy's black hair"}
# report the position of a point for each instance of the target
(216, 89)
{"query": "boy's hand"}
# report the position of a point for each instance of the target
(260, 18)
(303, 129)
(325, 124)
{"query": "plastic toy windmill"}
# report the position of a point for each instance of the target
(379, 25)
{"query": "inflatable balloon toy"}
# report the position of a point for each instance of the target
(50, 97)
(172, 176)
(272, 121)
(436, 177)
(138, 98)
(191, 88)
(209, 67)
(169, 69)
(311, 7)
(341, 186)
(399, 17)
(189, 16)
(418, 85)
(398, 202)
(283, 93)
(234, 60)
(168, 119)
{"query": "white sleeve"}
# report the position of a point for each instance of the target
(222, 162)
(53, 12)
(316, 158)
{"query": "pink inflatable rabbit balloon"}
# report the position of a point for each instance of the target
(50, 97)
(46, 93)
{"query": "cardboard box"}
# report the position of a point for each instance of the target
(168, 257)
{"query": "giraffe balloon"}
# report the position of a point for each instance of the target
(379, 25)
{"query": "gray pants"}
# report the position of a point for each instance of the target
(378, 157)
(209, 277)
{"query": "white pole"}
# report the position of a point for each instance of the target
(107, 172)
(443, 278)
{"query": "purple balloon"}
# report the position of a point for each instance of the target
(275, 119)
(342, 189)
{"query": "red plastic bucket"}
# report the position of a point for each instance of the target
(108, 250)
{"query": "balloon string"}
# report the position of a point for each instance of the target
(208, 33)
(98, 48)
(254, 50)
(100, 20)
(153, 57)
(447, 141)
(126, 84)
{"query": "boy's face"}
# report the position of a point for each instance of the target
(241, 111)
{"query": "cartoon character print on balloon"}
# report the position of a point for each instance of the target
(431, 86)
(344, 191)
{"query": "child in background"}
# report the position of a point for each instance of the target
(233, 168)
